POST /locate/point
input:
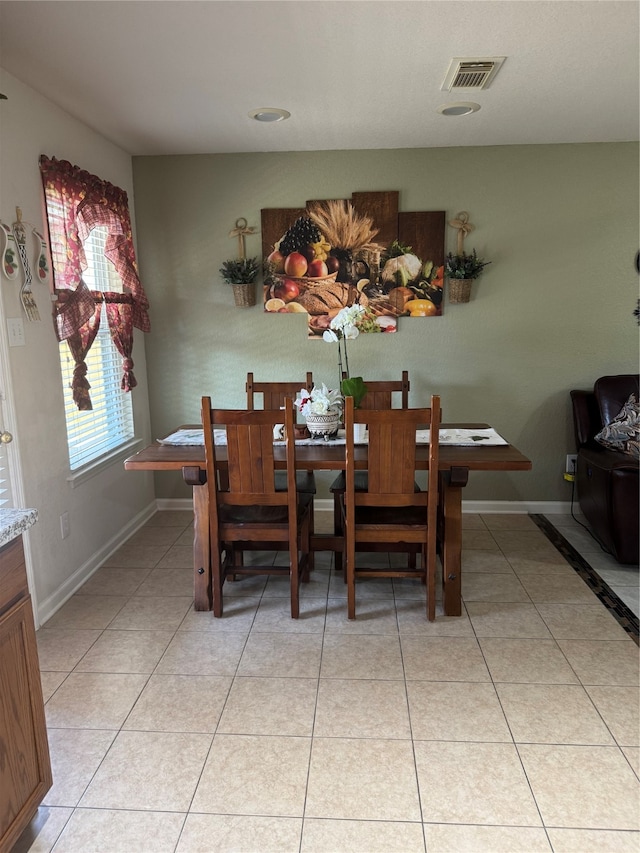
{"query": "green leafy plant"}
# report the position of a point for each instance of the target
(355, 387)
(240, 271)
(464, 265)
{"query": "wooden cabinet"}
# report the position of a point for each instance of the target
(25, 769)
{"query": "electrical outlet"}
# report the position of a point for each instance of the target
(15, 330)
(64, 525)
(570, 464)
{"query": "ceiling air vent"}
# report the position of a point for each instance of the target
(471, 73)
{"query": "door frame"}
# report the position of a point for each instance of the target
(14, 462)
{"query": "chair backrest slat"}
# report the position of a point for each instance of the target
(250, 458)
(250, 464)
(391, 460)
(274, 393)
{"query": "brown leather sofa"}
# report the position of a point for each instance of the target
(607, 480)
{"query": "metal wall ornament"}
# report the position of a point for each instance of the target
(15, 260)
(16, 240)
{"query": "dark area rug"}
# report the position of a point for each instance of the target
(625, 616)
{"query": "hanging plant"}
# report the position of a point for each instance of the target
(240, 271)
(464, 266)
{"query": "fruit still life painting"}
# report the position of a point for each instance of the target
(331, 255)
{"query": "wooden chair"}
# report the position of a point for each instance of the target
(380, 395)
(273, 396)
(390, 511)
(250, 513)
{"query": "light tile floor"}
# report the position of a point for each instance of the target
(511, 728)
(623, 580)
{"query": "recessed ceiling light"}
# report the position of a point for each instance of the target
(459, 108)
(269, 114)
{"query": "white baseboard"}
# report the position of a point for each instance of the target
(54, 602)
(326, 505)
(536, 507)
(174, 503)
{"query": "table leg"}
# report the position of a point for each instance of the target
(451, 485)
(201, 557)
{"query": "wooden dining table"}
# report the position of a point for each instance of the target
(456, 462)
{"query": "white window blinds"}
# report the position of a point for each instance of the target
(92, 434)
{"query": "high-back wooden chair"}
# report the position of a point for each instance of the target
(273, 395)
(249, 512)
(390, 511)
(380, 395)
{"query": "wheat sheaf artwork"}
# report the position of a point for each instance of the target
(335, 253)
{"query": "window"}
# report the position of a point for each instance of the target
(91, 434)
(98, 301)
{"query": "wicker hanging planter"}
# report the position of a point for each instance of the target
(460, 289)
(463, 267)
(241, 274)
(244, 294)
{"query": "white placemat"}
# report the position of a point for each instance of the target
(184, 437)
(455, 437)
(464, 437)
(195, 437)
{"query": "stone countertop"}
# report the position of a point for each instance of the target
(13, 522)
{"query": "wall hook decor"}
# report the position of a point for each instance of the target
(240, 231)
(462, 268)
(26, 294)
(461, 222)
(14, 254)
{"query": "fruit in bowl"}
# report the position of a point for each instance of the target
(285, 289)
(317, 269)
(302, 251)
(276, 260)
(295, 265)
(333, 264)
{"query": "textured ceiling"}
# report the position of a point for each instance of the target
(180, 77)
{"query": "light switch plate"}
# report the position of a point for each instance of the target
(15, 329)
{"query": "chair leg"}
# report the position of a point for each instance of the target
(337, 528)
(305, 548)
(350, 570)
(430, 557)
(217, 581)
(310, 553)
(237, 560)
(294, 583)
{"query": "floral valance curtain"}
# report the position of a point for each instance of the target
(76, 203)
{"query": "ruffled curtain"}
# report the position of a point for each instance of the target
(79, 344)
(76, 203)
(120, 319)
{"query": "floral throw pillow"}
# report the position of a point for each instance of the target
(623, 433)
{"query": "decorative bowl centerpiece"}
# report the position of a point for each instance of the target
(322, 410)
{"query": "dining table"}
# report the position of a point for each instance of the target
(455, 464)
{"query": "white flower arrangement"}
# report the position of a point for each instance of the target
(343, 328)
(318, 401)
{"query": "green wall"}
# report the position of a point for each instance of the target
(553, 311)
